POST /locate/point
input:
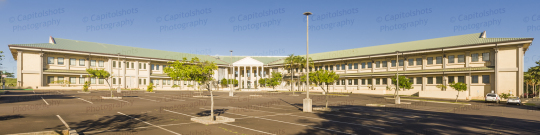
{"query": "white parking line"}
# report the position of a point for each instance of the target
(178, 113)
(167, 98)
(44, 101)
(150, 124)
(359, 118)
(294, 124)
(126, 129)
(85, 100)
(63, 121)
(121, 100)
(147, 99)
(271, 107)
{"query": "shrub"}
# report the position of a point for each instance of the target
(85, 86)
(505, 96)
(442, 87)
(150, 88)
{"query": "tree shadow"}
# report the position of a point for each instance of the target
(294, 105)
(10, 117)
(216, 111)
(110, 124)
(391, 120)
(27, 96)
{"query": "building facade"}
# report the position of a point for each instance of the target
(484, 64)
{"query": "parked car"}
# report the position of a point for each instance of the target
(513, 100)
(491, 97)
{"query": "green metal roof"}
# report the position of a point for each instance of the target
(468, 39)
(420, 71)
(83, 46)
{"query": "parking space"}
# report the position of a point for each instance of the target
(254, 113)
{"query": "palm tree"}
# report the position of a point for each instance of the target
(302, 65)
(535, 75)
(289, 64)
(528, 81)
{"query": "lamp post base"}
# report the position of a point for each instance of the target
(307, 105)
(397, 100)
(231, 94)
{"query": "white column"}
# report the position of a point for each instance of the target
(520, 70)
(424, 62)
(244, 78)
(424, 81)
(444, 61)
(149, 72)
(123, 73)
(251, 76)
(467, 58)
(346, 83)
(20, 68)
(388, 64)
(405, 64)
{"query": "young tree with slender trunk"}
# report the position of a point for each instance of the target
(200, 72)
(459, 87)
(100, 73)
(275, 80)
(289, 64)
(323, 76)
(404, 83)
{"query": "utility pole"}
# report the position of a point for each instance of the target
(307, 100)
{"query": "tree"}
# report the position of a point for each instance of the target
(529, 80)
(459, 87)
(275, 80)
(224, 83)
(535, 75)
(290, 63)
(323, 76)
(404, 83)
(195, 70)
(101, 74)
(302, 65)
(263, 81)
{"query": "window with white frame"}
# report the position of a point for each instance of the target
(50, 60)
(430, 60)
(438, 60)
(474, 57)
(81, 80)
(72, 61)
(101, 63)
(485, 56)
(451, 59)
(92, 63)
(60, 61)
(81, 62)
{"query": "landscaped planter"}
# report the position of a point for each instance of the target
(111, 97)
(208, 120)
(325, 109)
(83, 92)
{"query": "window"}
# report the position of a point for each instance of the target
(355, 65)
(474, 79)
(438, 79)
(355, 81)
(451, 59)
(430, 60)
(50, 80)
(101, 63)
(418, 80)
(144, 80)
(369, 81)
(474, 57)
(140, 68)
(72, 62)
(363, 81)
(411, 80)
(429, 80)
(451, 79)
(140, 82)
(384, 81)
(164, 81)
(60, 61)
(378, 64)
(331, 67)
(363, 65)
(411, 62)
(418, 61)
(342, 66)
(132, 65)
(310, 69)
(438, 60)
(337, 67)
(461, 58)
(164, 66)
(81, 80)
(157, 67)
(343, 82)
(485, 79)
(378, 81)
(144, 66)
(61, 80)
(113, 63)
(92, 63)
(461, 79)
(326, 67)
(93, 80)
(114, 81)
(350, 66)
(168, 82)
(119, 80)
(401, 63)
(73, 80)
(393, 63)
(50, 60)
(127, 64)
(81, 62)
(152, 67)
(369, 65)
(101, 81)
(485, 56)
(384, 64)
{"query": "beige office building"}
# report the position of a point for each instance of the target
(485, 64)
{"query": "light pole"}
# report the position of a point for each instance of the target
(307, 101)
(230, 83)
(397, 100)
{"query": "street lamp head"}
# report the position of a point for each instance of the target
(231, 50)
(307, 13)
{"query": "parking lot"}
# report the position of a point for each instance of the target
(169, 112)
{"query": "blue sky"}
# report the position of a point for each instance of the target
(215, 27)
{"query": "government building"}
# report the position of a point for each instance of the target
(484, 64)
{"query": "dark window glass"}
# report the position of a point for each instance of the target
(461, 79)
(474, 79)
(350, 66)
(418, 61)
(451, 79)
(355, 81)
(485, 56)
(451, 59)
(378, 64)
(342, 66)
(418, 80)
(363, 65)
(369, 65)
(384, 64)
(461, 58)
(485, 79)
(439, 80)
(393, 63)
(401, 63)
(429, 80)
(384, 81)
(430, 60)
(411, 62)
(474, 57)
(363, 81)
(438, 60)
(355, 65)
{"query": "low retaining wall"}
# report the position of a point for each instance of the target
(443, 94)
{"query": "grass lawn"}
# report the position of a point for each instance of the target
(529, 104)
(435, 101)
